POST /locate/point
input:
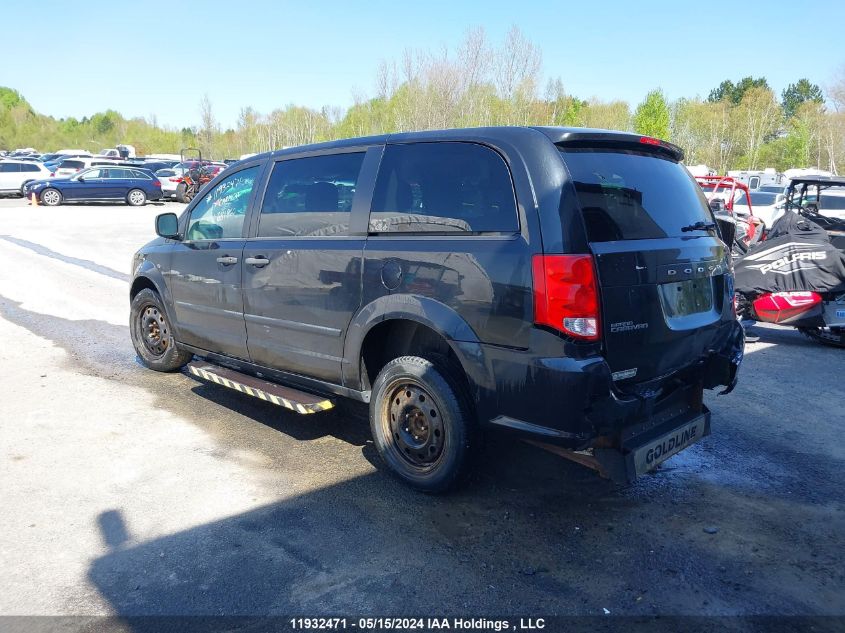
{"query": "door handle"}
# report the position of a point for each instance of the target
(258, 262)
(227, 260)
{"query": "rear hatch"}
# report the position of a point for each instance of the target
(664, 280)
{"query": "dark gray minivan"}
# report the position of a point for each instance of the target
(567, 285)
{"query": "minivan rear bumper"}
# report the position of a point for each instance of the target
(576, 403)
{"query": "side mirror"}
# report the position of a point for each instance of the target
(167, 226)
(80, 179)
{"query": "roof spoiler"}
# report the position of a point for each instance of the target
(618, 140)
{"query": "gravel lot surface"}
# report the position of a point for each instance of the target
(129, 492)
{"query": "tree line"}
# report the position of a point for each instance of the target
(742, 125)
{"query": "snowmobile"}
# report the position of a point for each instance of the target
(796, 277)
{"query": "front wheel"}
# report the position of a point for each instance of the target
(136, 198)
(152, 335)
(421, 423)
(834, 337)
(51, 197)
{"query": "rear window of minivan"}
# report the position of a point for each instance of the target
(631, 195)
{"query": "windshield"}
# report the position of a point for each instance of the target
(629, 195)
(762, 198)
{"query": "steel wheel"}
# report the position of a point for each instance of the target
(413, 423)
(51, 197)
(136, 198)
(154, 330)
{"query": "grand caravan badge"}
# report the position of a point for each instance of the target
(786, 259)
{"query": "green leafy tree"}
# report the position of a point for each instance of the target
(735, 92)
(800, 92)
(652, 116)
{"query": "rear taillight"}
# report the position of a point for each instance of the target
(175, 179)
(778, 307)
(647, 140)
(156, 183)
(53, 175)
(566, 295)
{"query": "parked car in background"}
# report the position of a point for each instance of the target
(64, 153)
(14, 174)
(153, 165)
(170, 178)
(119, 152)
(71, 166)
(773, 189)
(768, 206)
(133, 186)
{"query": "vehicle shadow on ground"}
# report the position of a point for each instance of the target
(529, 533)
(530, 541)
(344, 422)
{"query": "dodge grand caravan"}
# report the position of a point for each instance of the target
(567, 285)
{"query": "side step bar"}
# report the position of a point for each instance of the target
(286, 397)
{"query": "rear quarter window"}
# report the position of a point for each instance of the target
(443, 187)
(630, 195)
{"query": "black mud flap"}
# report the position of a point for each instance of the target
(643, 453)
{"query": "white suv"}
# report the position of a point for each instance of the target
(69, 166)
(14, 174)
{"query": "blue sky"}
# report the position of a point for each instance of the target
(139, 58)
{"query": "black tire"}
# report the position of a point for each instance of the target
(184, 194)
(51, 197)
(834, 337)
(152, 335)
(180, 192)
(136, 198)
(422, 424)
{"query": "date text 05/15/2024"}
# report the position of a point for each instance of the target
(421, 624)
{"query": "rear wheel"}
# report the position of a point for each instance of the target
(421, 423)
(152, 335)
(834, 337)
(51, 197)
(184, 193)
(136, 198)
